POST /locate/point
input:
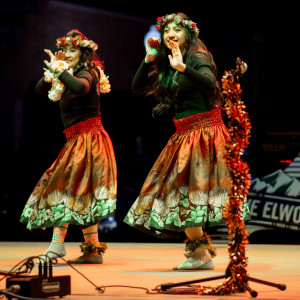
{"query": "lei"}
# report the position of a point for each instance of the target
(52, 74)
(162, 21)
(76, 41)
(58, 88)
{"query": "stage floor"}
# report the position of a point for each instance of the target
(149, 265)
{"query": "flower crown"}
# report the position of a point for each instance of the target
(76, 41)
(162, 21)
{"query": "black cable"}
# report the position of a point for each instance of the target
(4, 292)
(73, 268)
(28, 262)
(100, 289)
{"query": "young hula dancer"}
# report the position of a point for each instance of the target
(80, 186)
(188, 185)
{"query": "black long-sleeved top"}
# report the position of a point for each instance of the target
(196, 84)
(80, 100)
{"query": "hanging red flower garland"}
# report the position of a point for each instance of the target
(239, 127)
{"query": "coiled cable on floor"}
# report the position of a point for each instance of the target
(27, 265)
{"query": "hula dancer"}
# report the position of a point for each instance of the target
(187, 187)
(80, 186)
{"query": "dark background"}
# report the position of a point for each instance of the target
(262, 33)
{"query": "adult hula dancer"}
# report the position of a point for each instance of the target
(188, 186)
(80, 186)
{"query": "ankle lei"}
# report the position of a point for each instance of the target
(91, 248)
(204, 242)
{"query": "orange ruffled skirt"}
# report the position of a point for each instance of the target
(189, 183)
(81, 185)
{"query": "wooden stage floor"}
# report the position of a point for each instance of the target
(149, 265)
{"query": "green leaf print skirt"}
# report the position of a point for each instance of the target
(189, 183)
(80, 187)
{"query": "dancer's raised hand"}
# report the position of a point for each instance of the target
(60, 55)
(176, 60)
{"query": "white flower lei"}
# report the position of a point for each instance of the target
(104, 85)
(58, 88)
(51, 75)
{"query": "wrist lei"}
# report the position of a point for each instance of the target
(51, 75)
(103, 85)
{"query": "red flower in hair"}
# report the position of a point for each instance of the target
(74, 43)
(158, 19)
(157, 28)
(194, 25)
(62, 40)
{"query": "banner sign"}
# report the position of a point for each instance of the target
(275, 211)
(274, 200)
